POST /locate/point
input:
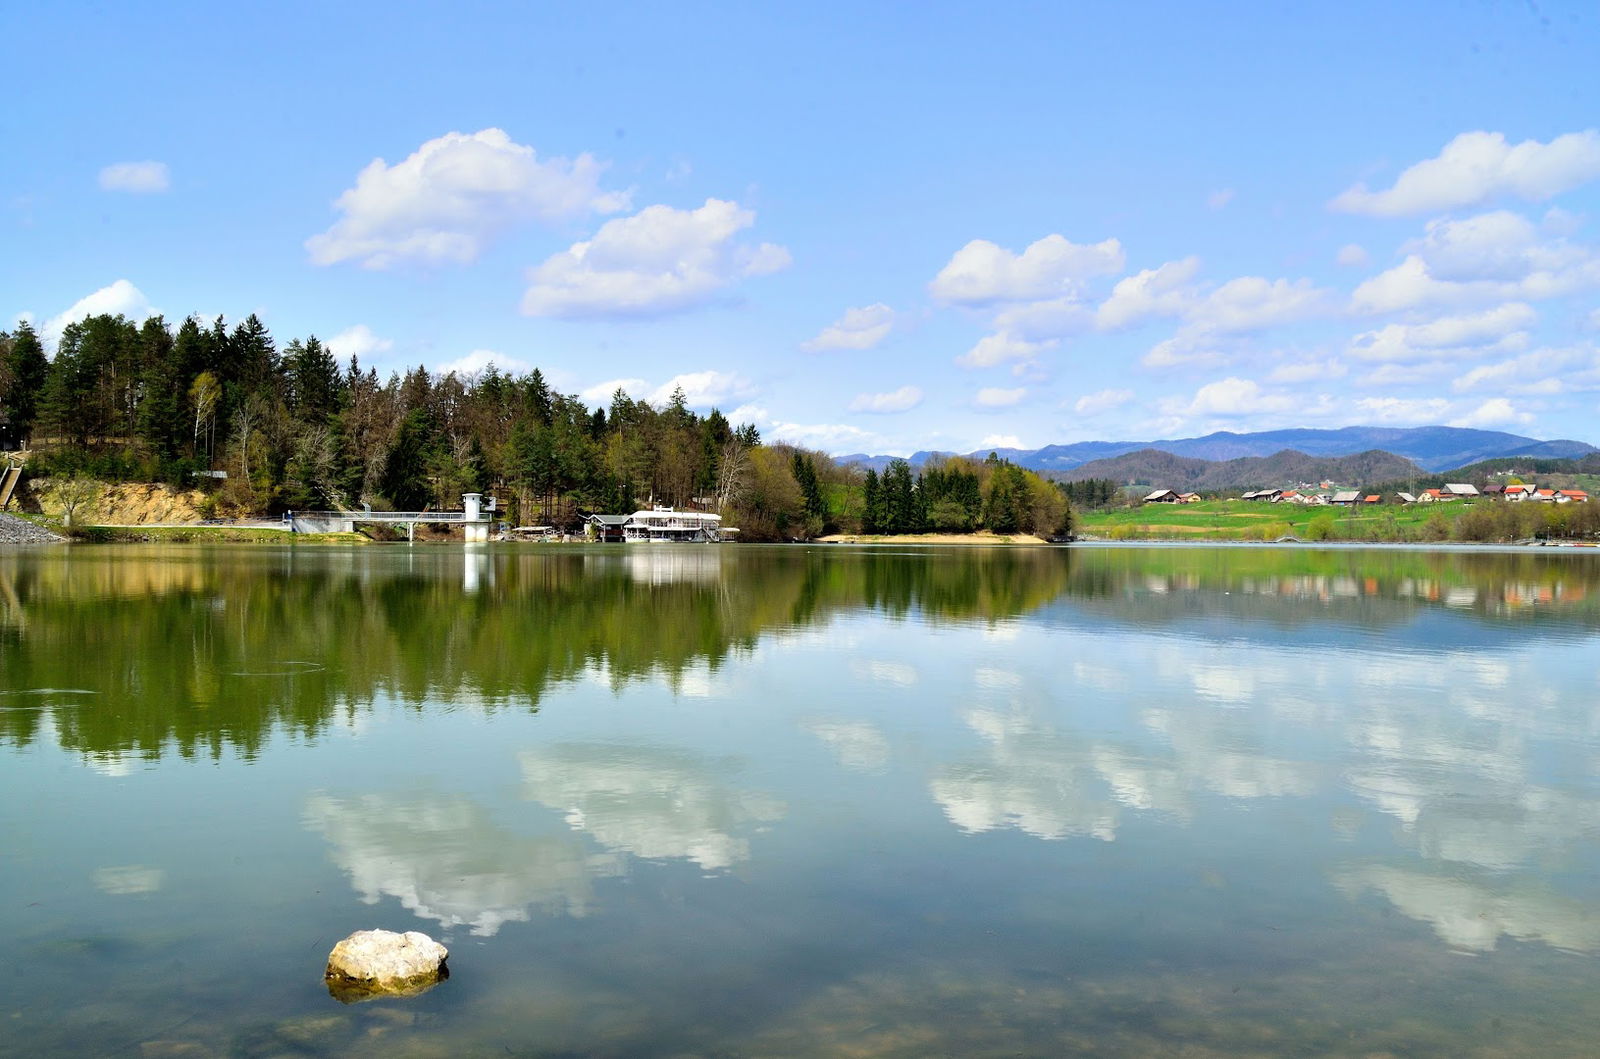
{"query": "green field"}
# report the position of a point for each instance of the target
(1240, 520)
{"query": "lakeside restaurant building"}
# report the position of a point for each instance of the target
(659, 524)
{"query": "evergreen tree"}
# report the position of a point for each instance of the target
(27, 371)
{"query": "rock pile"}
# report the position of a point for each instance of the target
(15, 530)
(372, 963)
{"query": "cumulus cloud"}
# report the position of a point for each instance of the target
(479, 360)
(1495, 412)
(451, 196)
(1000, 441)
(1401, 410)
(659, 261)
(1311, 370)
(983, 273)
(601, 392)
(1496, 257)
(834, 438)
(1103, 401)
(1252, 302)
(1234, 396)
(137, 178)
(861, 328)
(1543, 371)
(120, 298)
(704, 389)
(992, 350)
(1469, 335)
(902, 400)
(1163, 291)
(996, 397)
(1478, 166)
(358, 341)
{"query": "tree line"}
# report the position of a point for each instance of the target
(293, 428)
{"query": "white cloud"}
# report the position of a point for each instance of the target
(600, 392)
(1234, 396)
(1388, 376)
(704, 389)
(447, 200)
(982, 273)
(1102, 401)
(1495, 412)
(1478, 166)
(836, 438)
(1352, 256)
(138, 178)
(1470, 335)
(661, 260)
(1219, 199)
(1308, 371)
(1043, 320)
(1402, 410)
(358, 341)
(1396, 373)
(478, 361)
(1163, 291)
(861, 328)
(996, 397)
(1492, 246)
(1001, 441)
(902, 400)
(992, 350)
(121, 298)
(1252, 302)
(1542, 372)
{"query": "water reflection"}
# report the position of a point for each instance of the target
(1472, 915)
(653, 802)
(443, 857)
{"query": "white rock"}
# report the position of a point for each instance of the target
(375, 962)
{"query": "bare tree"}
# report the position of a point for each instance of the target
(732, 473)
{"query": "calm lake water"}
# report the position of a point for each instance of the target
(789, 801)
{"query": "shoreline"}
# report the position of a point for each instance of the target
(965, 539)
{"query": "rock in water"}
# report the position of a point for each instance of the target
(373, 963)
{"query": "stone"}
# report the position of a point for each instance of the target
(374, 963)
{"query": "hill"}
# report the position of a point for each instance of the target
(1431, 448)
(1159, 469)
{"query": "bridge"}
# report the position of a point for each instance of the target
(476, 519)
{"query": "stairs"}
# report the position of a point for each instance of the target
(8, 484)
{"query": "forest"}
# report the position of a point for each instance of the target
(291, 428)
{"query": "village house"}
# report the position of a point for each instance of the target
(1406, 498)
(1460, 489)
(1571, 496)
(1162, 496)
(1345, 497)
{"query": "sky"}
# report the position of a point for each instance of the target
(864, 227)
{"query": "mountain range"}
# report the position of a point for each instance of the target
(1431, 448)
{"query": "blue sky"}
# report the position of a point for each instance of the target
(865, 227)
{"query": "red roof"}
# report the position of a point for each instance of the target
(1373, 499)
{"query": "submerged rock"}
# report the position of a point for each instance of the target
(373, 963)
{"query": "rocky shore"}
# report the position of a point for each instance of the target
(15, 530)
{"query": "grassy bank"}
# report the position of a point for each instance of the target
(1239, 520)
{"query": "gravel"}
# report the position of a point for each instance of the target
(15, 530)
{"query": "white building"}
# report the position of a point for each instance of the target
(665, 524)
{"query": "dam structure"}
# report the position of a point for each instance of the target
(476, 519)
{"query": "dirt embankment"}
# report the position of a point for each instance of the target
(126, 503)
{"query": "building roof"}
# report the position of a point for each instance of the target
(608, 520)
(1346, 496)
(1372, 499)
(1407, 497)
(1159, 493)
(1461, 488)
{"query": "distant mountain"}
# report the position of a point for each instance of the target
(1431, 448)
(1159, 469)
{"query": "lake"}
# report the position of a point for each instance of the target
(803, 801)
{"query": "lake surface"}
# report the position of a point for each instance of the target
(792, 801)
